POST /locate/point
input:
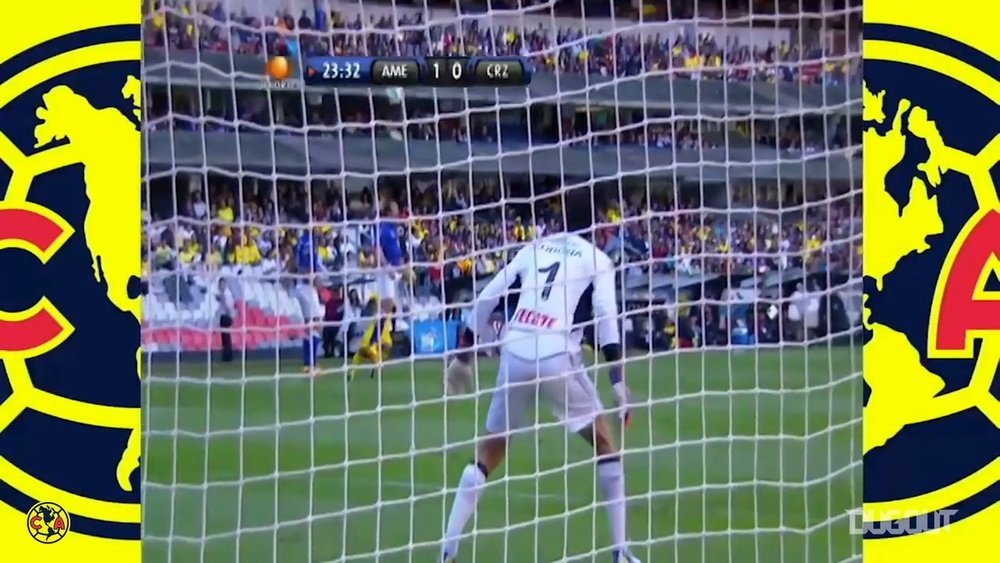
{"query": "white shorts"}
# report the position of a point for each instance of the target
(308, 299)
(559, 380)
(387, 286)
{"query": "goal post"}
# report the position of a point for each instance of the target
(724, 149)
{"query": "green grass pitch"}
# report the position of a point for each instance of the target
(744, 456)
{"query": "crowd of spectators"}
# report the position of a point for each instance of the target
(181, 24)
(184, 24)
(458, 231)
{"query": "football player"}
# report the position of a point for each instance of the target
(541, 355)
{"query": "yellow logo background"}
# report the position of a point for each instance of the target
(974, 538)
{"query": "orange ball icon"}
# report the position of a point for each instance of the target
(279, 68)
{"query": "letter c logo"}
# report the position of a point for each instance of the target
(37, 230)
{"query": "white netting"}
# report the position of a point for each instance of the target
(730, 196)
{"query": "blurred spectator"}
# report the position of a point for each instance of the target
(227, 312)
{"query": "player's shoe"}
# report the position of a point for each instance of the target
(447, 558)
(623, 556)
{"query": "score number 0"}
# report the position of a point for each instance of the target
(447, 72)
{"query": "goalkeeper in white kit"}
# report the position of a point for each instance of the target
(561, 276)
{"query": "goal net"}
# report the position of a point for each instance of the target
(723, 141)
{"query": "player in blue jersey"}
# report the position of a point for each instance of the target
(308, 267)
(389, 256)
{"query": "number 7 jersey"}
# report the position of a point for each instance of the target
(558, 276)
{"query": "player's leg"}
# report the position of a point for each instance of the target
(377, 338)
(364, 350)
(379, 332)
(490, 453)
(370, 349)
(385, 328)
(575, 400)
(312, 314)
(368, 335)
(312, 342)
(611, 480)
(389, 293)
(513, 396)
(381, 345)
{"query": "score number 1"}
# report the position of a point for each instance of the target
(451, 71)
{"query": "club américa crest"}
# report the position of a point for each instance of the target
(932, 285)
(70, 228)
(48, 522)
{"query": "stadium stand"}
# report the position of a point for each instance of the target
(201, 223)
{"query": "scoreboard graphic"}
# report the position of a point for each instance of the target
(457, 72)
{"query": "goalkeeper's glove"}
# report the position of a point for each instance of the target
(458, 377)
(613, 355)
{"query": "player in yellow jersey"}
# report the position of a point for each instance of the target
(377, 339)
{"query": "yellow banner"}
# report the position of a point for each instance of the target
(932, 237)
(70, 310)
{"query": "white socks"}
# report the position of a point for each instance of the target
(464, 506)
(611, 479)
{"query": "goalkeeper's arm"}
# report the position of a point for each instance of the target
(605, 306)
(486, 302)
